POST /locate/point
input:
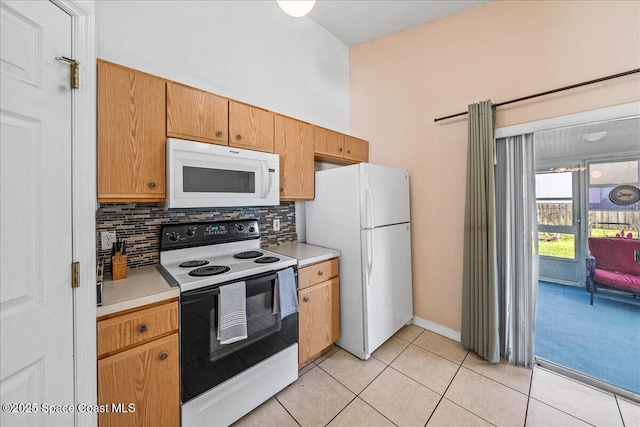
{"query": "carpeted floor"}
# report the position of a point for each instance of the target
(600, 340)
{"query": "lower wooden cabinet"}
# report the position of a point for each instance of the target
(139, 384)
(319, 312)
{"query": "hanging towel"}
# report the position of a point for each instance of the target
(232, 313)
(287, 293)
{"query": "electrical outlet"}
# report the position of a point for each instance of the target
(636, 256)
(276, 225)
(107, 238)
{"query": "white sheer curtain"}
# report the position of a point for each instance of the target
(517, 231)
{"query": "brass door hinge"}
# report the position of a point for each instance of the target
(75, 274)
(75, 71)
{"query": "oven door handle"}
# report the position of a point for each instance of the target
(215, 290)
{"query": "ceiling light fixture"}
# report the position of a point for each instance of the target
(568, 169)
(296, 8)
(595, 136)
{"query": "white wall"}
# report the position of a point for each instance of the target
(246, 50)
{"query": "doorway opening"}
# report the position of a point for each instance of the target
(578, 171)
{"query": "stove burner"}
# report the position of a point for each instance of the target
(194, 263)
(248, 255)
(267, 260)
(210, 270)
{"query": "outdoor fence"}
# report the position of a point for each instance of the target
(561, 214)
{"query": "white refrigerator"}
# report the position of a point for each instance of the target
(363, 210)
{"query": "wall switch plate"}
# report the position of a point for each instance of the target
(636, 256)
(107, 238)
(276, 225)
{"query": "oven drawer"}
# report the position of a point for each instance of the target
(123, 331)
(317, 273)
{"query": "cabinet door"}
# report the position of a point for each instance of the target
(319, 321)
(197, 115)
(145, 376)
(131, 134)
(356, 149)
(294, 144)
(250, 127)
(328, 142)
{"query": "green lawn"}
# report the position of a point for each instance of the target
(564, 247)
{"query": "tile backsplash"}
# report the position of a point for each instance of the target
(140, 223)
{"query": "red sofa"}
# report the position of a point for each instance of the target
(613, 263)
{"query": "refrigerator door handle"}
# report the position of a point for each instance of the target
(369, 235)
(368, 195)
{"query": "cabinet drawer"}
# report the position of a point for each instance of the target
(317, 273)
(124, 331)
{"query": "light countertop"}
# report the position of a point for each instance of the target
(306, 254)
(142, 286)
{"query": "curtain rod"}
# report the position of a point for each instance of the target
(626, 73)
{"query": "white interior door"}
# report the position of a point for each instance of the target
(36, 312)
(388, 282)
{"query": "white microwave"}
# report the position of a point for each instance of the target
(203, 175)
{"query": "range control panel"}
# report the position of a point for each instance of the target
(188, 235)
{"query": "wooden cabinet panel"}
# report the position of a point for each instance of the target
(328, 142)
(317, 273)
(316, 328)
(319, 302)
(131, 134)
(196, 115)
(294, 144)
(146, 376)
(356, 149)
(123, 331)
(250, 127)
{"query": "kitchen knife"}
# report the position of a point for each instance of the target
(124, 247)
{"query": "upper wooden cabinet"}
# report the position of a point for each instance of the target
(294, 144)
(196, 115)
(250, 127)
(131, 134)
(356, 149)
(337, 146)
(328, 142)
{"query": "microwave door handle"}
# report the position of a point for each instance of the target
(266, 179)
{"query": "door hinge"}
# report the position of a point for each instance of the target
(75, 71)
(75, 274)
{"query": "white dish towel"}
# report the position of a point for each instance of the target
(285, 298)
(232, 313)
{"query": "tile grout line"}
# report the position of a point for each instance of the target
(356, 394)
(526, 411)
(445, 390)
(286, 410)
(560, 410)
(615, 396)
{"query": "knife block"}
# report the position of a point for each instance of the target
(119, 267)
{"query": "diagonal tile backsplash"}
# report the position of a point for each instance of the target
(140, 223)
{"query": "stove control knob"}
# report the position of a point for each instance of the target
(252, 229)
(240, 227)
(190, 232)
(174, 236)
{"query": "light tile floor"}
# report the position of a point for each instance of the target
(420, 378)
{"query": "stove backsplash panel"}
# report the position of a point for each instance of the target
(140, 223)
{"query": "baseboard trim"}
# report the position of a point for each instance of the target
(437, 328)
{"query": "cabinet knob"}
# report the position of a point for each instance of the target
(281, 189)
(305, 299)
(164, 355)
(142, 328)
(348, 151)
(152, 184)
(219, 133)
(320, 272)
(340, 149)
(238, 137)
